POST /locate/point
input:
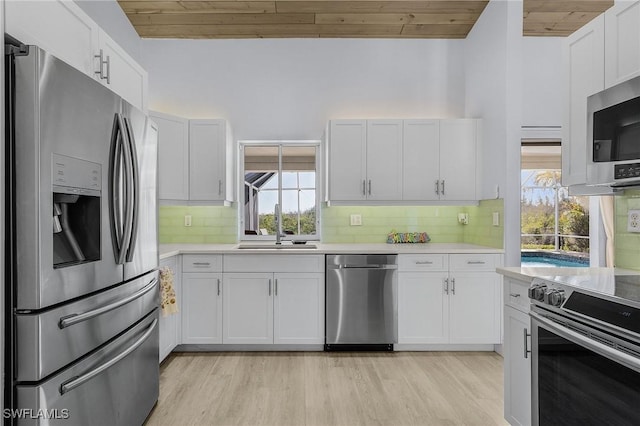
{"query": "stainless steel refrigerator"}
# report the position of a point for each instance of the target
(81, 277)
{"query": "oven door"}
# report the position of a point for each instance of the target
(577, 380)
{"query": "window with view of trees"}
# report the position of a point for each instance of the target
(285, 174)
(551, 219)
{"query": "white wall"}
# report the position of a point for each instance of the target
(289, 88)
(493, 80)
(542, 90)
(112, 19)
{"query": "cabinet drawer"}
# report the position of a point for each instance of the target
(516, 294)
(474, 262)
(422, 262)
(273, 263)
(202, 263)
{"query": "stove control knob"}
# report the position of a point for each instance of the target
(555, 298)
(536, 291)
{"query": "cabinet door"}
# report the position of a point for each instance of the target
(207, 156)
(58, 26)
(384, 159)
(458, 159)
(474, 307)
(298, 308)
(173, 156)
(168, 325)
(121, 73)
(347, 160)
(583, 53)
(248, 308)
(201, 308)
(421, 160)
(423, 307)
(622, 42)
(517, 367)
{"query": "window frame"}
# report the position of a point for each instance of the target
(241, 180)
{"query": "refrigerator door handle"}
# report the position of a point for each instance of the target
(128, 190)
(115, 190)
(135, 191)
(76, 381)
(69, 320)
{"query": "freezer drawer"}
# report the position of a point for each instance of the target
(117, 385)
(361, 306)
(52, 339)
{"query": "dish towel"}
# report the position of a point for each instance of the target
(168, 302)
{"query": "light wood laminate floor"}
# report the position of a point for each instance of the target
(321, 388)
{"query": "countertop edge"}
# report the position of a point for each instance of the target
(170, 250)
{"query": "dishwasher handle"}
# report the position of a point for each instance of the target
(362, 267)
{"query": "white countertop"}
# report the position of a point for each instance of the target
(528, 273)
(169, 250)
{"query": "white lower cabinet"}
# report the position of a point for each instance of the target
(517, 357)
(202, 299)
(169, 326)
(423, 308)
(267, 308)
(298, 308)
(458, 304)
(202, 321)
(248, 308)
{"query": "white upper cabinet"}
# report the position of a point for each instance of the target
(403, 160)
(119, 72)
(348, 160)
(458, 165)
(421, 160)
(173, 156)
(63, 29)
(583, 53)
(622, 42)
(57, 26)
(384, 159)
(209, 170)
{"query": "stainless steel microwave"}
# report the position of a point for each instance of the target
(613, 136)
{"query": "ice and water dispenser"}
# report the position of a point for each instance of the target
(77, 192)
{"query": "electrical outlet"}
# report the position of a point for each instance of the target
(355, 220)
(496, 218)
(187, 220)
(633, 221)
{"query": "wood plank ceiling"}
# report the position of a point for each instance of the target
(196, 19)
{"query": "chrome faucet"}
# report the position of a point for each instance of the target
(278, 220)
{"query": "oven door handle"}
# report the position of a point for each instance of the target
(597, 347)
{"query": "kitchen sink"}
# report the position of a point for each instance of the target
(277, 247)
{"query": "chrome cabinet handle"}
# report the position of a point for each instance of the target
(108, 70)
(446, 285)
(442, 184)
(369, 186)
(514, 295)
(269, 287)
(101, 70)
(453, 286)
(72, 319)
(424, 262)
(76, 381)
(364, 187)
(219, 187)
(276, 287)
(437, 187)
(476, 262)
(201, 263)
(526, 343)
(218, 286)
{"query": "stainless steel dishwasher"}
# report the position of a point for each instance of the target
(361, 302)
